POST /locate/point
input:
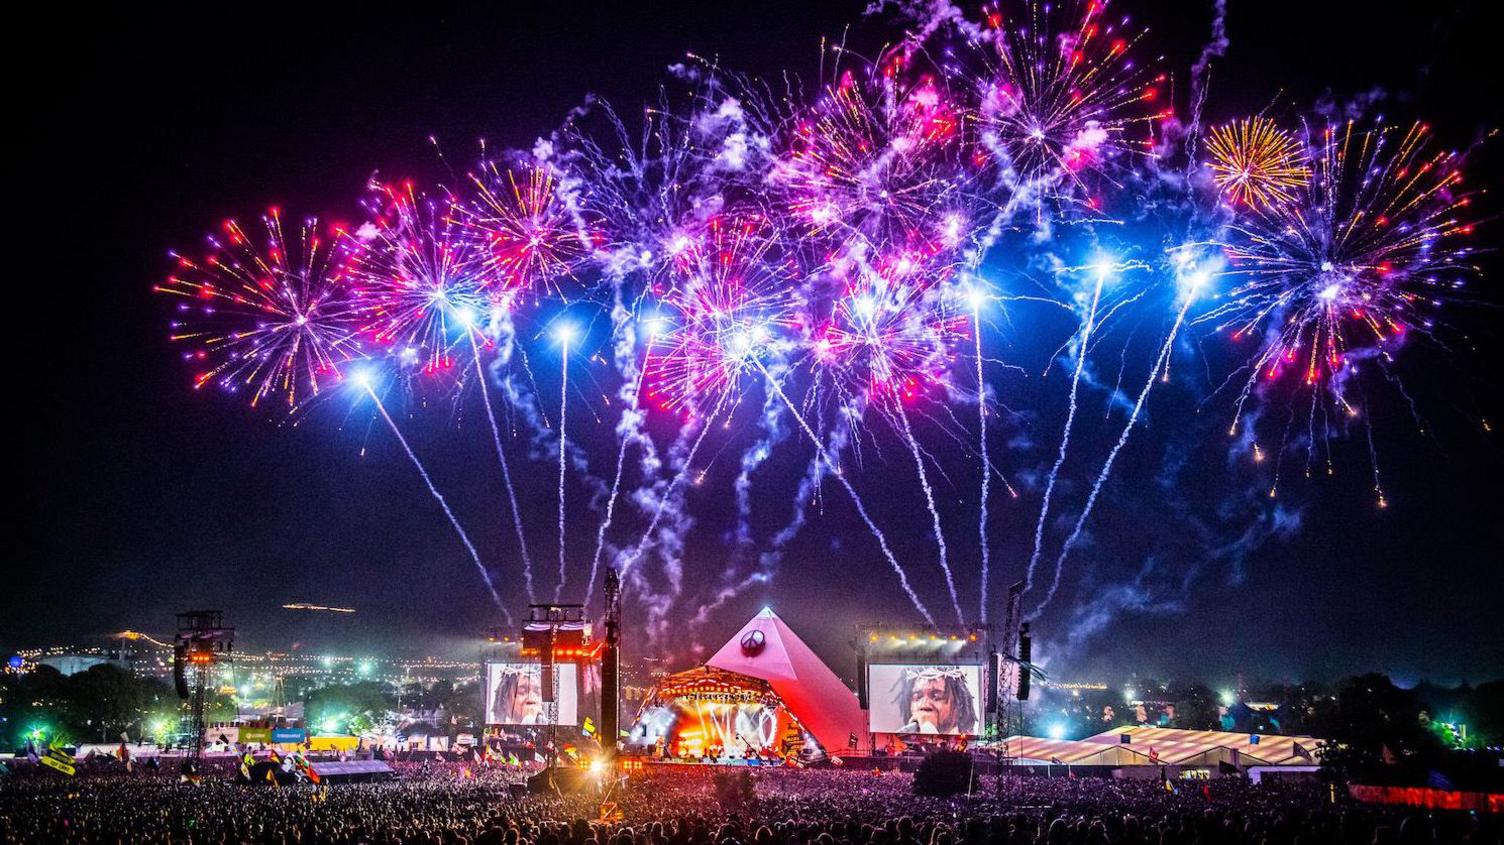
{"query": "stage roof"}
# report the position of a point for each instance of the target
(708, 682)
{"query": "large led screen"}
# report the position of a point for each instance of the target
(515, 695)
(917, 698)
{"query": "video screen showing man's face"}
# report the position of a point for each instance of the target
(925, 699)
(515, 695)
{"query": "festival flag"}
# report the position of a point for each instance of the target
(52, 763)
(59, 759)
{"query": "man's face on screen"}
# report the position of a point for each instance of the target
(527, 698)
(930, 703)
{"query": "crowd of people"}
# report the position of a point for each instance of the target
(453, 804)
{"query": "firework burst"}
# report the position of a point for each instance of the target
(870, 157)
(419, 284)
(1256, 163)
(806, 255)
(531, 240)
(1062, 95)
(892, 333)
(732, 297)
(1362, 255)
(271, 320)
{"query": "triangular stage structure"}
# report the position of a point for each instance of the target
(766, 648)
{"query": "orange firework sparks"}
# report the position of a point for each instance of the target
(1256, 163)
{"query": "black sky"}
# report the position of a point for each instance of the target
(137, 497)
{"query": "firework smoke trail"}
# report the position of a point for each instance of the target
(1160, 362)
(1070, 417)
(772, 433)
(929, 501)
(1201, 74)
(809, 485)
(683, 464)
(861, 509)
(668, 536)
(506, 473)
(628, 430)
(438, 497)
(976, 321)
(566, 335)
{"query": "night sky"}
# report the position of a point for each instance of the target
(138, 497)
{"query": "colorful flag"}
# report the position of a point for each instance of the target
(58, 758)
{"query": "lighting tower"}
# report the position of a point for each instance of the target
(1007, 718)
(202, 643)
(554, 634)
(611, 666)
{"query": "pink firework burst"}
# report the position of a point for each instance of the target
(732, 295)
(892, 332)
(273, 320)
(419, 282)
(1061, 95)
(532, 240)
(871, 157)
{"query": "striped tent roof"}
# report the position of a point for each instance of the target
(1176, 746)
(1074, 752)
